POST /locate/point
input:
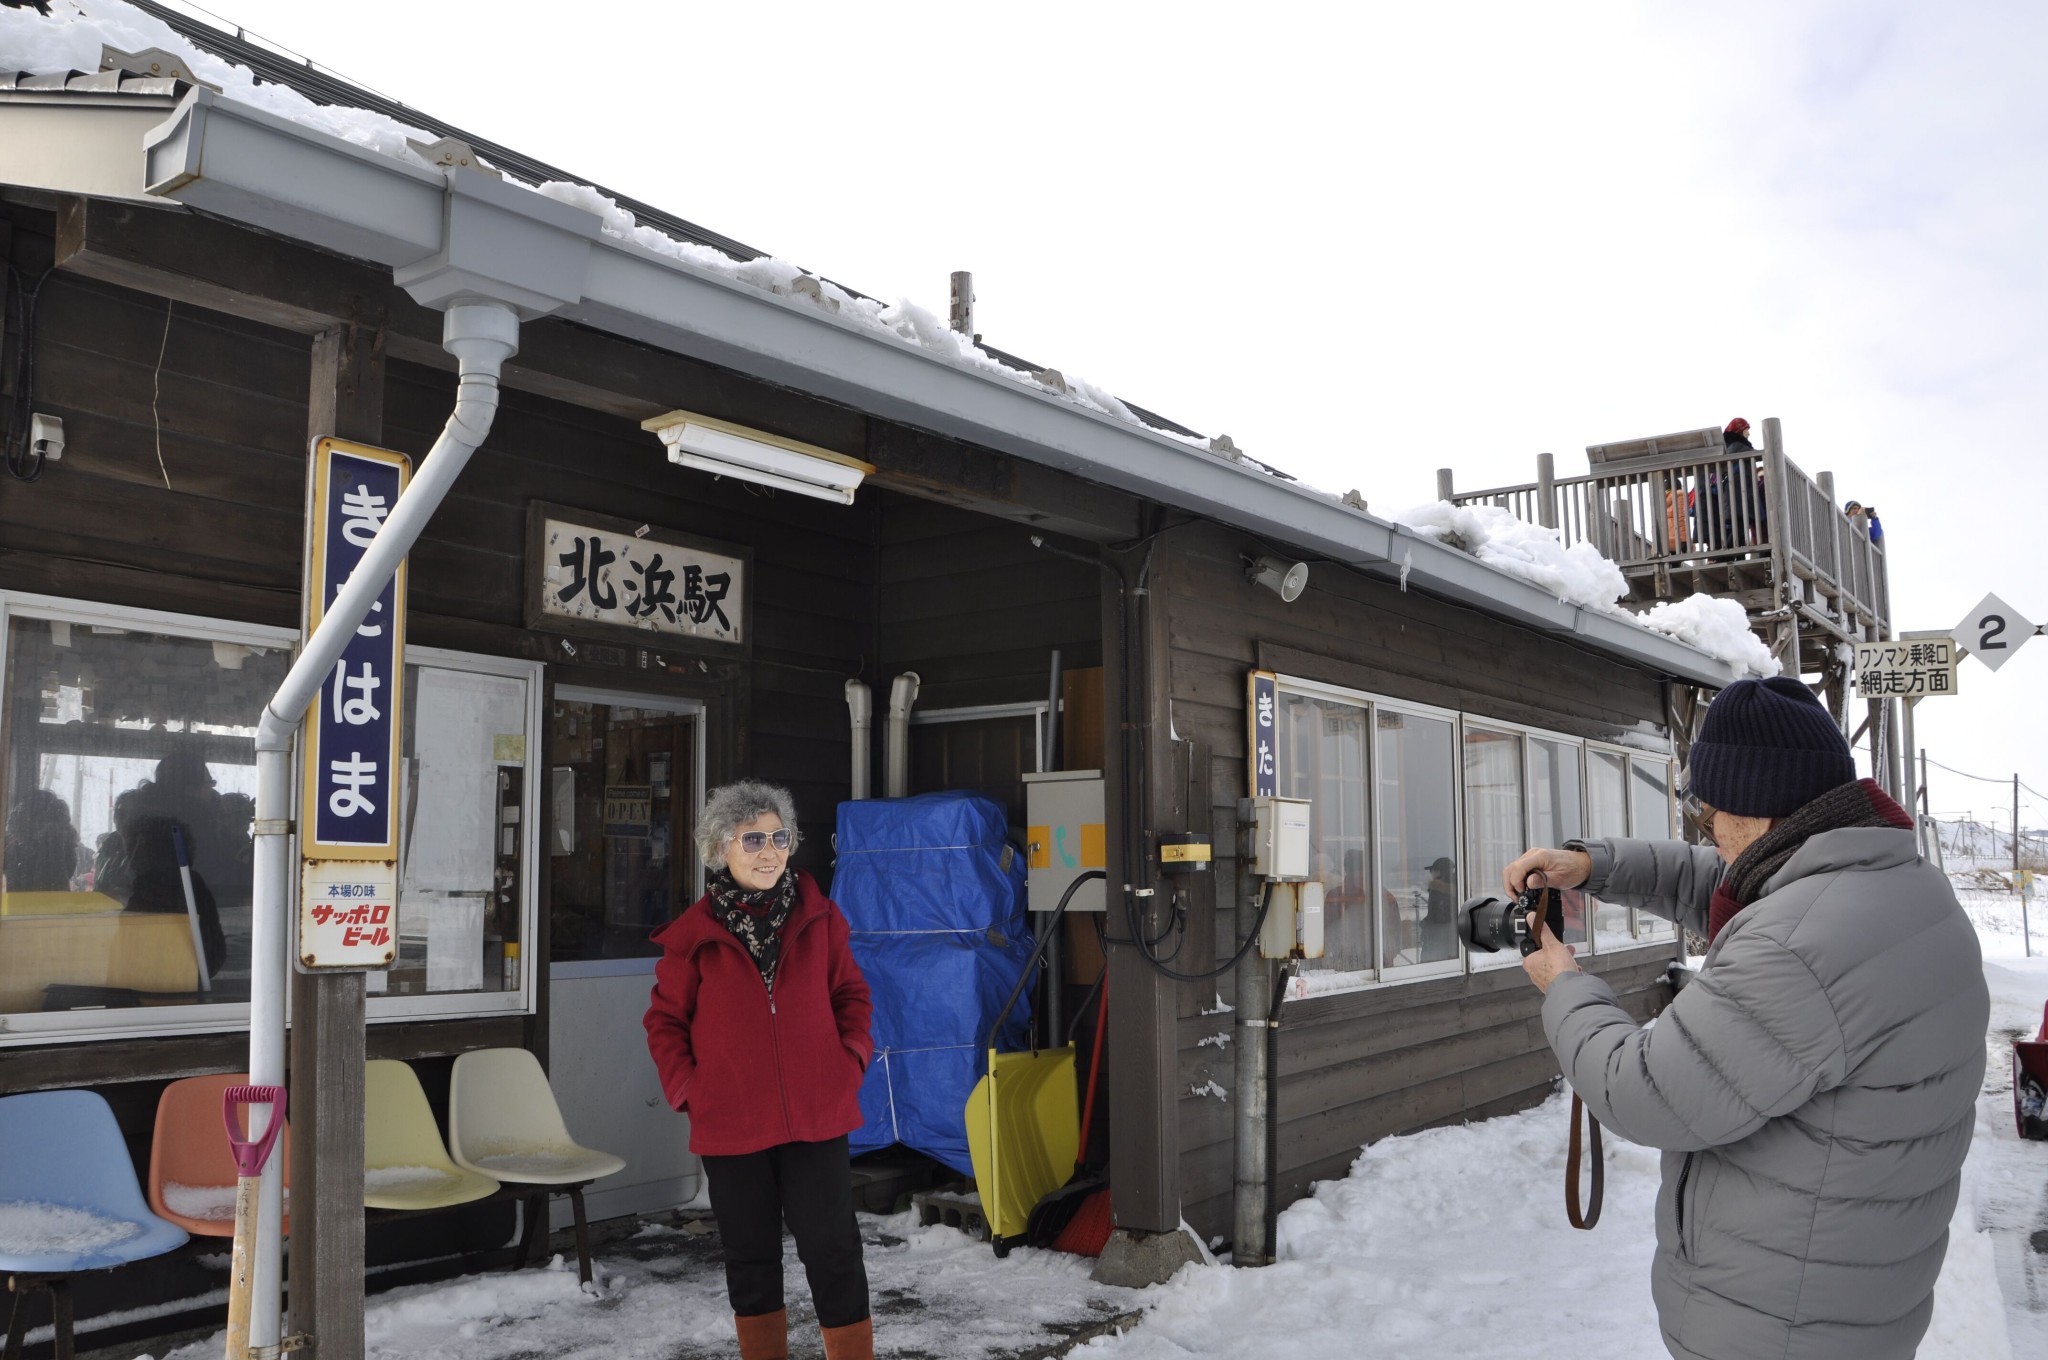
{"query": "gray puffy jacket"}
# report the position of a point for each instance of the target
(1814, 1090)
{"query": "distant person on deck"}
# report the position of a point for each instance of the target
(1866, 517)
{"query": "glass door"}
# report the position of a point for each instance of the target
(625, 775)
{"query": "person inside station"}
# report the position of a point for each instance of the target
(43, 849)
(162, 827)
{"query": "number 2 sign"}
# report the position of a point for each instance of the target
(1993, 631)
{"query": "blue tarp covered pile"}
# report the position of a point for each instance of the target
(934, 893)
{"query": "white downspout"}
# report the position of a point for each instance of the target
(481, 336)
(902, 694)
(860, 707)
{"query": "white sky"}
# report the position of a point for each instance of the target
(1374, 240)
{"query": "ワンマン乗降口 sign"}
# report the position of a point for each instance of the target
(1909, 668)
(348, 822)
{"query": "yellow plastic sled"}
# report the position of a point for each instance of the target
(1023, 1131)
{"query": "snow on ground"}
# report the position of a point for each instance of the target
(1580, 575)
(660, 1295)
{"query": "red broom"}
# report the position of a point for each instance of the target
(1087, 1231)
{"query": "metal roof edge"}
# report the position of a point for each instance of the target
(255, 167)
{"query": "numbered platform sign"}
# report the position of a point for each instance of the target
(348, 818)
(1993, 631)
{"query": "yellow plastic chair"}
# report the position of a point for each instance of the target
(504, 1121)
(405, 1164)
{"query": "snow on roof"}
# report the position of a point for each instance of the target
(72, 37)
(1580, 575)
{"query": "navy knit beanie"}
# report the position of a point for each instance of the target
(1767, 749)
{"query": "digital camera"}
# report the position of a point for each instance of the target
(1490, 923)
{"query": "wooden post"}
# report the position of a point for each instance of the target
(325, 1269)
(1443, 484)
(1144, 1134)
(1546, 490)
(961, 317)
(1777, 523)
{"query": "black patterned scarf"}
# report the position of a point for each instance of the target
(755, 916)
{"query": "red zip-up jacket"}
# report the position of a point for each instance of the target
(751, 1070)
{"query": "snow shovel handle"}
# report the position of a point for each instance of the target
(1038, 944)
(252, 1154)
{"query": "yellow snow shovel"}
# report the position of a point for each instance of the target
(1023, 1118)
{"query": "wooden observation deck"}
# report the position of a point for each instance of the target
(1680, 515)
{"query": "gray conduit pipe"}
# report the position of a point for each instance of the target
(860, 708)
(902, 696)
(481, 336)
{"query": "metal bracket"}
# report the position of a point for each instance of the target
(271, 826)
(297, 1341)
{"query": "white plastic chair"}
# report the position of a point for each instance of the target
(503, 1121)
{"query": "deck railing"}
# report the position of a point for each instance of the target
(1684, 510)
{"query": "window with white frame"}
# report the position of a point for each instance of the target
(1434, 807)
(1650, 819)
(129, 781)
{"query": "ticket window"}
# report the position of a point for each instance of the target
(621, 804)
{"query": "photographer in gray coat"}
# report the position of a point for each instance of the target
(1814, 1088)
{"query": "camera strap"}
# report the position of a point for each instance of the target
(1591, 1215)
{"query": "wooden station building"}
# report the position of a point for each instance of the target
(197, 287)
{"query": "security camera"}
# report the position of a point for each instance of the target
(1285, 579)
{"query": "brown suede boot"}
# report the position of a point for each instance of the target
(765, 1336)
(854, 1341)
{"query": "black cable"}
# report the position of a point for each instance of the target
(23, 462)
(1038, 942)
(1251, 938)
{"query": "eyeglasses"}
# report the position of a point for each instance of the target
(785, 840)
(1699, 817)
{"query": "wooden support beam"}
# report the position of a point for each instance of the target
(1144, 1067)
(932, 468)
(328, 1042)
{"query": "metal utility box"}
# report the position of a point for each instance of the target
(1280, 839)
(1064, 821)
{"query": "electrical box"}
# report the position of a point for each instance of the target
(1064, 825)
(1280, 845)
(1294, 922)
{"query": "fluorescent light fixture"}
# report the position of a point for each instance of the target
(724, 449)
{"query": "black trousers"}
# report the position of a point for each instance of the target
(809, 1187)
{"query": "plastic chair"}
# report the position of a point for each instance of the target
(405, 1164)
(69, 1202)
(191, 1170)
(504, 1121)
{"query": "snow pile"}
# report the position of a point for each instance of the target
(32, 1228)
(407, 1180)
(69, 39)
(1717, 627)
(1579, 575)
(206, 1202)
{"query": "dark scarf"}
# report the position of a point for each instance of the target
(1858, 803)
(755, 916)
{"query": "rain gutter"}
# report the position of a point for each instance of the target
(228, 159)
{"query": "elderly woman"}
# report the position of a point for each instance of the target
(759, 1029)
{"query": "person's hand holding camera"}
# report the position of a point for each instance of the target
(1560, 869)
(1546, 868)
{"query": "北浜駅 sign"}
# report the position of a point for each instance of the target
(348, 820)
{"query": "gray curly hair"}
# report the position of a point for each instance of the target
(733, 805)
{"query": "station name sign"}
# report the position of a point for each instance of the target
(348, 822)
(597, 574)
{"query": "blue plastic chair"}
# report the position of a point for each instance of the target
(69, 1201)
